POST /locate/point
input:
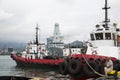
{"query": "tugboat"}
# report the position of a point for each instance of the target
(35, 55)
(104, 42)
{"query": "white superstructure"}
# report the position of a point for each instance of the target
(75, 47)
(57, 39)
(105, 38)
(105, 41)
(34, 49)
(70, 51)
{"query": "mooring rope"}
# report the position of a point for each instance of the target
(93, 68)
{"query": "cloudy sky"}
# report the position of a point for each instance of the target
(18, 18)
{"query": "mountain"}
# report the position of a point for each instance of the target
(15, 45)
(78, 44)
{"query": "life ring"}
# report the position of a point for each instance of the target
(63, 68)
(94, 53)
(74, 67)
(88, 71)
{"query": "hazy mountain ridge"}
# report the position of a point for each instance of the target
(21, 45)
(14, 45)
(75, 44)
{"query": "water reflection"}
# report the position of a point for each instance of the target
(8, 68)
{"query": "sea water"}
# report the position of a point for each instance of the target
(8, 67)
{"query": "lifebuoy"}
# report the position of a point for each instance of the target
(74, 67)
(63, 68)
(94, 52)
(87, 70)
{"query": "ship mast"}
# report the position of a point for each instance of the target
(37, 28)
(106, 21)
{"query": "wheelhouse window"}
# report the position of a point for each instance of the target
(107, 36)
(92, 37)
(99, 36)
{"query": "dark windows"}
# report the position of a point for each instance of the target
(99, 36)
(107, 36)
(92, 37)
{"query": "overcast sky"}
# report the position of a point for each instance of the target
(18, 18)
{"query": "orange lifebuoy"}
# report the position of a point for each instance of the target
(94, 52)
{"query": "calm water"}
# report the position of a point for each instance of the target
(8, 68)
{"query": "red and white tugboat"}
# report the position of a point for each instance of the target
(35, 55)
(104, 42)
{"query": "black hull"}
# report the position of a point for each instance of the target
(14, 78)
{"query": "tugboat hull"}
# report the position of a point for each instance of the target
(84, 66)
(37, 63)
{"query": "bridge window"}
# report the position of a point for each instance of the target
(99, 36)
(92, 37)
(107, 36)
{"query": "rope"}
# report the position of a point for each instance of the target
(93, 69)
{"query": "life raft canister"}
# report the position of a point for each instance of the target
(74, 66)
(63, 68)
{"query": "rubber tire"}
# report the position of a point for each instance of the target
(74, 66)
(88, 71)
(116, 65)
(98, 61)
(63, 68)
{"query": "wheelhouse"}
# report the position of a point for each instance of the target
(108, 35)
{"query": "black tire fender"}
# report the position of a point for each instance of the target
(74, 66)
(87, 70)
(98, 61)
(116, 65)
(63, 68)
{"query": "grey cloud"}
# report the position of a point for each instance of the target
(76, 17)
